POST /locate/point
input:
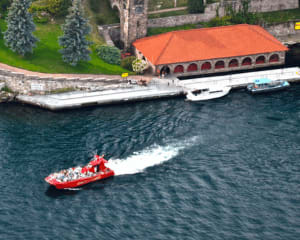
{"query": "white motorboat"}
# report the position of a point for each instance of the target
(207, 93)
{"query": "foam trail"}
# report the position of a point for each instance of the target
(148, 157)
(73, 189)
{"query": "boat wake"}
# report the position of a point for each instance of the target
(148, 157)
(73, 189)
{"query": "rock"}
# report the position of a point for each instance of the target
(2, 85)
(6, 97)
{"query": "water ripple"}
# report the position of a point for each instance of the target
(223, 169)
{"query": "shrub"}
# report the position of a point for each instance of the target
(6, 89)
(94, 5)
(219, 21)
(109, 54)
(196, 6)
(127, 62)
(100, 20)
(54, 7)
(41, 17)
(59, 7)
(139, 65)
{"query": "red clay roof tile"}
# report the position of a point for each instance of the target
(208, 43)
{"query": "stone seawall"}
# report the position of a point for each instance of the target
(25, 83)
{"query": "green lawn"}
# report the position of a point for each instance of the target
(280, 16)
(46, 57)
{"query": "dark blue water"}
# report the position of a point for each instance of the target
(223, 169)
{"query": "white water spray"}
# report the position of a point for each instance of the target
(148, 157)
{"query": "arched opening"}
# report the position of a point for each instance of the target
(233, 63)
(115, 14)
(260, 60)
(247, 61)
(165, 70)
(115, 18)
(178, 69)
(206, 66)
(192, 67)
(274, 58)
(219, 65)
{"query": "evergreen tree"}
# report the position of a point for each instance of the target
(74, 43)
(18, 36)
(196, 6)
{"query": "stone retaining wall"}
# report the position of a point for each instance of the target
(31, 84)
(282, 29)
(2, 85)
(210, 13)
(272, 5)
(212, 9)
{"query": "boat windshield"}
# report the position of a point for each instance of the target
(217, 91)
(199, 91)
(262, 81)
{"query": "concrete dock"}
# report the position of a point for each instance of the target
(243, 79)
(157, 88)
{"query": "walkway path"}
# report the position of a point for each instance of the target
(61, 75)
(242, 79)
(168, 10)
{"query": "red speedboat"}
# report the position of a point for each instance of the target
(78, 176)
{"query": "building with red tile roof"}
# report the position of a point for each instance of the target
(209, 50)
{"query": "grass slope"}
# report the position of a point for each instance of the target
(46, 57)
(155, 31)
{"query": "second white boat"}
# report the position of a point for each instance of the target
(207, 93)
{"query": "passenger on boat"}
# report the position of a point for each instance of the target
(102, 165)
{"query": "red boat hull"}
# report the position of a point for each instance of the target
(81, 181)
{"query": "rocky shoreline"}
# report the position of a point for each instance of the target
(7, 97)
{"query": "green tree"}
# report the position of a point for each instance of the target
(18, 36)
(196, 6)
(4, 4)
(74, 43)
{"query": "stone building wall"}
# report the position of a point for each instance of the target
(133, 19)
(267, 56)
